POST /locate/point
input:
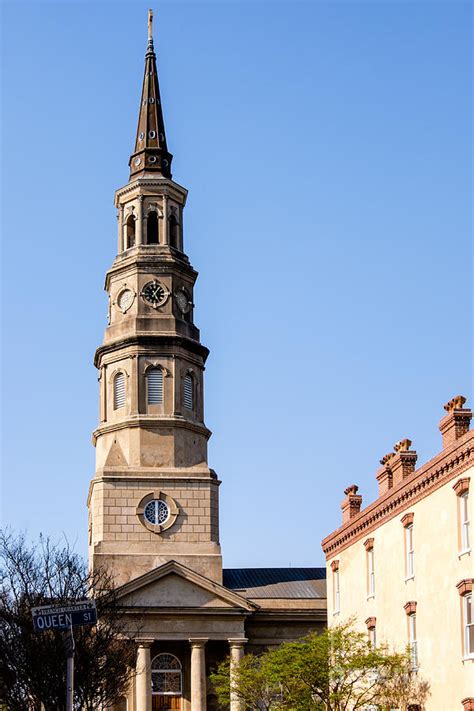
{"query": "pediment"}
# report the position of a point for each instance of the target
(172, 585)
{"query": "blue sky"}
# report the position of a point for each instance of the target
(327, 150)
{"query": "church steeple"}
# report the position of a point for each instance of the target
(151, 153)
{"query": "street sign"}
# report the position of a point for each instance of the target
(62, 617)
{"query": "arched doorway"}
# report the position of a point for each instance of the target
(166, 682)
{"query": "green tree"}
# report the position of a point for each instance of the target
(33, 664)
(335, 671)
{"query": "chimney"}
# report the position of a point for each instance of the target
(456, 423)
(384, 475)
(351, 504)
(402, 465)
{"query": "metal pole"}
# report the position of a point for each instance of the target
(70, 672)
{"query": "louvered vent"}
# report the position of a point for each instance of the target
(155, 386)
(188, 392)
(119, 391)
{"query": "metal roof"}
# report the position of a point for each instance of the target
(277, 582)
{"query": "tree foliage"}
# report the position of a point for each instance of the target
(33, 664)
(335, 671)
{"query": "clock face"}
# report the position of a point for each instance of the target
(125, 300)
(182, 299)
(154, 293)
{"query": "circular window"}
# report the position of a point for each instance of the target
(151, 100)
(152, 159)
(156, 512)
(151, 134)
(141, 136)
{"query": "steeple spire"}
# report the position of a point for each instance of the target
(151, 152)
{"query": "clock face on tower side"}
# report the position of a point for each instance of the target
(154, 293)
(183, 300)
(125, 300)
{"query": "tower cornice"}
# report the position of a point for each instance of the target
(171, 341)
(164, 186)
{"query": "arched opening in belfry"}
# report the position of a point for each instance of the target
(130, 232)
(174, 231)
(152, 228)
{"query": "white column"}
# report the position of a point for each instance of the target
(198, 674)
(236, 653)
(143, 675)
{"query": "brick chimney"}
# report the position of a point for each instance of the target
(384, 475)
(402, 465)
(351, 504)
(456, 423)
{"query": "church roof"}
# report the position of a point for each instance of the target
(276, 582)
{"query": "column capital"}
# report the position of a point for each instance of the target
(198, 641)
(237, 641)
(146, 643)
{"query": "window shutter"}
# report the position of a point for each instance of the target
(188, 392)
(119, 391)
(155, 386)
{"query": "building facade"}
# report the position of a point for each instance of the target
(154, 500)
(403, 566)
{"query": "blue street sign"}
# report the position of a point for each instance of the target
(62, 617)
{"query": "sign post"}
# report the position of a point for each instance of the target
(65, 617)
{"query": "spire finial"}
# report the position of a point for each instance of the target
(150, 31)
(150, 25)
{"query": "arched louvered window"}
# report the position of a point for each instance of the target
(188, 392)
(154, 380)
(152, 228)
(119, 391)
(174, 230)
(130, 233)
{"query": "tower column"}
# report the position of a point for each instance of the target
(143, 675)
(139, 235)
(236, 647)
(166, 232)
(198, 674)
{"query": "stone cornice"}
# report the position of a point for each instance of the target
(172, 341)
(151, 422)
(165, 185)
(435, 473)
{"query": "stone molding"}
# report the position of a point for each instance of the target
(334, 565)
(371, 622)
(465, 586)
(369, 544)
(169, 501)
(237, 642)
(198, 642)
(408, 519)
(431, 476)
(462, 486)
(410, 607)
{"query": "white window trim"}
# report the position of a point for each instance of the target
(409, 553)
(370, 574)
(466, 626)
(464, 523)
(337, 592)
(413, 641)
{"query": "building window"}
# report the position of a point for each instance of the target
(370, 557)
(370, 622)
(119, 391)
(188, 392)
(130, 233)
(166, 675)
(174, 231)
(464, 521)
(154, 386)
(335, 587)
(412, 641)
(468, 622)
(152, 228)
(410, 552)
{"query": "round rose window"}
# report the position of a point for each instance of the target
(156, 512)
